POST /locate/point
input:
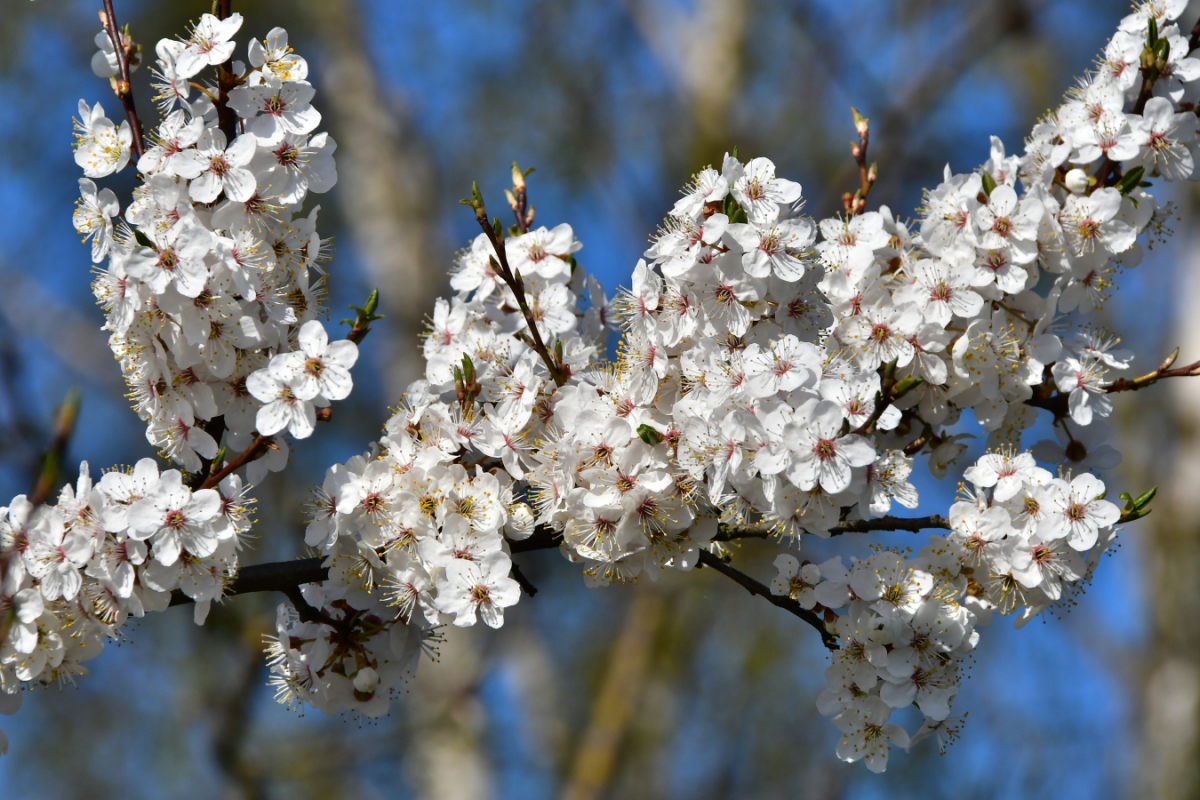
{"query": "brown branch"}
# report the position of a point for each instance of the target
(305, 611)
(765, 530)
(1150, 378)
(227, 118)
(1057, 403)
(122, 86)
(514, 282)
(786, 603)
(257, 448)
(855, 204)
(284, 576)
(518, 576)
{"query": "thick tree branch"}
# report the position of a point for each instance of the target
(285, 576)
(764, 530)
(786, 603)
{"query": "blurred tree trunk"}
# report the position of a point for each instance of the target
(618, 696)
(702, 55)
(447, 722)
(385, 187)
(1170, 757)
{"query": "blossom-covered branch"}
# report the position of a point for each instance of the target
(778, 378)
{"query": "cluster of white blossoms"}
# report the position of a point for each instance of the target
(212, 310)
(74, 571)
(209, 288)
(775, 375)
(770, 379)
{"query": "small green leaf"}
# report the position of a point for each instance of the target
(144, 240)
(905, 386)
(372, 305)
(1130, 516)
(989, 183)
(218, 461)
(1144, 500)
(1130, 180)
(648, 435)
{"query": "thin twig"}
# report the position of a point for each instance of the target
(258, 447)
(123, 88)
(786, 603)
(515, 284)
(1057, 403)
(527, 587)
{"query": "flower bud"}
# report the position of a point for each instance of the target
(365, 680)
(1077, 181)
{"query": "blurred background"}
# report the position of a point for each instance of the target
(688, 688)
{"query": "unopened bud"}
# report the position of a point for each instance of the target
(1076, 181)
(324, 414)
(365, 680)
(512, 201)
(518, 177)
(873, 172)
(855, 150)
(861, 123)
(103, 19)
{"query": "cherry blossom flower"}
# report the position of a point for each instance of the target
(93, 217)
(467, 588)
(223, 168)
(210, 44)
(1076, 512)
(175, 518)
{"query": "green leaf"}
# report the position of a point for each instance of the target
(989, 183)
(905, 386)
(144, 240)
(1144, 500)
(1163, 50)
(648, 434)
(1130, 180)
(372, 305)
(1130, 516)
